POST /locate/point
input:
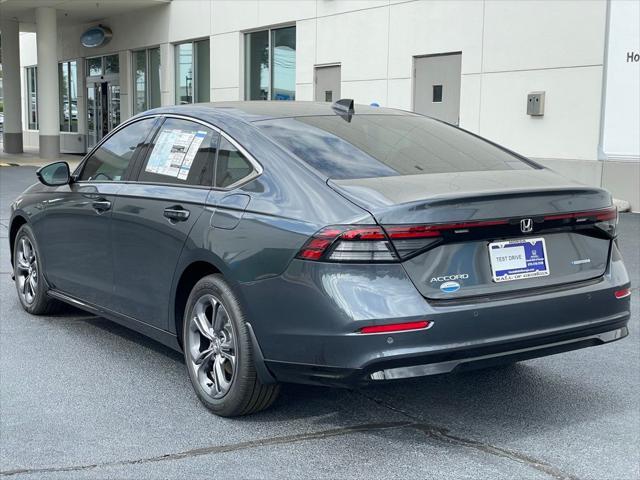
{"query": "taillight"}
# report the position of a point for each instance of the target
(409, 239)
(393, 243)
(605, 219)
(349, 244)
(608, 221)
(397, 327)
(357, 243)
(624, 293)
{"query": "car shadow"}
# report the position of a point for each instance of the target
(512, 399)
(133, 336)
(70, 312)
(525, 395)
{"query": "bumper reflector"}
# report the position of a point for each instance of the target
(624, 293)
(397, 327)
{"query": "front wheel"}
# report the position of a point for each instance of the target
(219, 353)
(27, 270)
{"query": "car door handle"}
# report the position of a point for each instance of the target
(101, 205)
(176, 213)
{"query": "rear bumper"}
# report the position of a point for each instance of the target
(513, 353)
(448, 361)
(308, 322)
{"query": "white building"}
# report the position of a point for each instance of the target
(473, 63)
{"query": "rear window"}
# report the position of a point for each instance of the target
(386, 145)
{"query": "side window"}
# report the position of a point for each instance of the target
(183, 153)
(232, 166)
(111, 160)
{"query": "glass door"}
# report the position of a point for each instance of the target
(103, 110)
(94, 113)
(113, 101)
(103, 97)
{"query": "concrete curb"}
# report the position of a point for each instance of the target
(623, 205)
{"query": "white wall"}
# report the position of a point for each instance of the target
(556, 47)
(621, 139)
(508, 50)
(621, 129)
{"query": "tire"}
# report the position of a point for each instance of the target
(218, 352)
(29, 280)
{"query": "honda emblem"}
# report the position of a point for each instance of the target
(526, 225)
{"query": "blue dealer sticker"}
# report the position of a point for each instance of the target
(450, 287)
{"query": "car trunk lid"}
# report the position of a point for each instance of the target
(462, 223)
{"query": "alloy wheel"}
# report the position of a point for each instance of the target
(26, 271)
(211, 344)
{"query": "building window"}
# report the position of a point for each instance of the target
(94, 66)
(270, 64)
(32, 97)
(68, 94)
(98, 66)
(112, 64)
(257, 65)
(192, 72)
(146, 79)
(437, 94)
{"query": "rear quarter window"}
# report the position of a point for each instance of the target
(232, 166)
(386, 145)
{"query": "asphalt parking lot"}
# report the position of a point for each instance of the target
(81, 397)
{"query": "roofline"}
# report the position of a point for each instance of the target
(226, 109)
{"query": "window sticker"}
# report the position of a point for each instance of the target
(174, 152)
(198, 138)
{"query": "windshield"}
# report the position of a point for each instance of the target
(386, 145)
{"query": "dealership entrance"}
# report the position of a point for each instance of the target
(103, 97)
(103, 109)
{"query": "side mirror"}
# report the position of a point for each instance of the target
(54, 174)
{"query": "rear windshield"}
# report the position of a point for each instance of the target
(386, 145)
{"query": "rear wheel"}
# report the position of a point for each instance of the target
(28, 275)
(219, 353)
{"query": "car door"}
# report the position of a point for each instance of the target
(153, 216)
(74, 230)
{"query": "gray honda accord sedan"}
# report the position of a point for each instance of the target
(320, 243)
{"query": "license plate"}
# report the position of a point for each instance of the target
(518, 259)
